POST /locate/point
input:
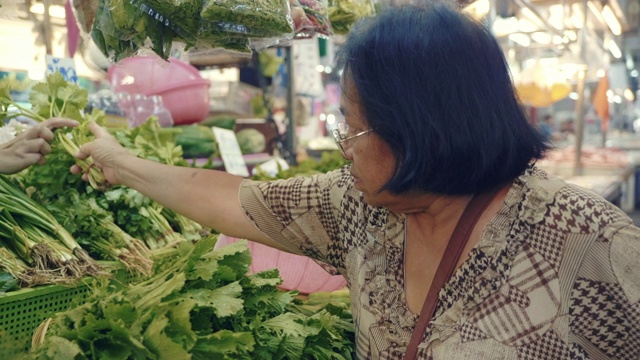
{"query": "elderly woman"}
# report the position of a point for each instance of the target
(442, 197)
(29, 147)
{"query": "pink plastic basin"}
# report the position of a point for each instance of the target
(297, 272)
(184, 92)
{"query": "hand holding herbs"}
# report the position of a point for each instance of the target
(56, 98)
(30, 146)
(99, 154)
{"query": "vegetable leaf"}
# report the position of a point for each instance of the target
(225, 300)
(224, 344)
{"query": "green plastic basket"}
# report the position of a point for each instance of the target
(22, 311)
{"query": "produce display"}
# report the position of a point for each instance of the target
(195, 302)
(114, 223)
(121, 28)
(202, 305)
(329, 161)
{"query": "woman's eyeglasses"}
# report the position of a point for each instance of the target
(340, 135)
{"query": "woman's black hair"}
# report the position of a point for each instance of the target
(434, 84)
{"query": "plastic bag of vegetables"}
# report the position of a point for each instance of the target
(344, 13)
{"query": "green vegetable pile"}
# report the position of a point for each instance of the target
(202, 305)
(254, 18)
(120, 28)
(328, 162)
(117, 224)
(344, 13)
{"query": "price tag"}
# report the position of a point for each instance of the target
(230, 151)
(65, 66)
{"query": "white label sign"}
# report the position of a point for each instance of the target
(65, 66)
(230, 151)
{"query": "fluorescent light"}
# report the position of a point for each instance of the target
(611, 20)
(629, 62)
(521, 39)
(574, 96)
(527, 25)
(615, 50)
(595, 11)
(634, 73)
(541, 37)
(600, 73)
(628, 94)
(577, 18)
(527, 13)
(478, 8)
(54, 10)
(504, 26)
(556, 16)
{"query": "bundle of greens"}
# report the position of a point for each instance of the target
(328, 162)
(248, 18)
(122, 27)
(110, 223)
(55, 97)
(344, 13)
(202, 305)
(38, 238)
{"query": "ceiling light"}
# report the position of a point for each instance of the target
(615, 50)
(478, 9)
(521, 39)
(577, 18)
(56, 11)
(595, 10)
(611, 20)
(541, 37)
(628, 94)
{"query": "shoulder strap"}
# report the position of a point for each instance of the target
(447, 265)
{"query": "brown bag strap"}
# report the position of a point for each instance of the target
(447, 265)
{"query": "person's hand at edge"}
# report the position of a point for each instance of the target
(30, 146)
(105, 150)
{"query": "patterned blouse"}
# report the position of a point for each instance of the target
(556, 274)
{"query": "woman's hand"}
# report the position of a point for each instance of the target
(30, 147)
(106, 151)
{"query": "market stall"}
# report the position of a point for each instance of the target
(151, 92)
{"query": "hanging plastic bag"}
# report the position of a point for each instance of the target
(252, 18)
(303, 27)
(263, 23)
(317, 13)
(123, 27)
(344, 13)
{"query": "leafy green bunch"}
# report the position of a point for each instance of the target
(55, 97)
(202, 305)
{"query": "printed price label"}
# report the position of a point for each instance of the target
(65, 66)
(230, 151)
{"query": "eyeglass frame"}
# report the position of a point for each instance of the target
(338, 138)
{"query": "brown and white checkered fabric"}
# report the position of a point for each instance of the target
(556, 274)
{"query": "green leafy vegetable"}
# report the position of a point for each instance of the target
(200, 305)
